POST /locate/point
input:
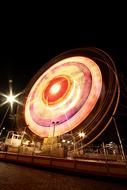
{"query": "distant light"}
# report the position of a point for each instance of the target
(63, 140)
(2, 130)
(10, 81)
(82, 134)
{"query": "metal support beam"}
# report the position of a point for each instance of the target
(121, 145)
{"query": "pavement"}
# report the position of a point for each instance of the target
(19, 177)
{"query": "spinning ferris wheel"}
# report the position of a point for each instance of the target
(76, 91)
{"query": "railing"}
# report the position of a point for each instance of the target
(104, 152)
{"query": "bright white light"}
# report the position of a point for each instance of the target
(11, 99)
(81, 134)
(55, 88)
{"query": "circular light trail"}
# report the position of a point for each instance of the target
(75, 92)
(56, 89)
(66, 92)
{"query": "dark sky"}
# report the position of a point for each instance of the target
(28, 54)
(21, 66)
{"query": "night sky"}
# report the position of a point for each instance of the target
(21, 67)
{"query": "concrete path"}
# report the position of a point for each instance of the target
(17, 177)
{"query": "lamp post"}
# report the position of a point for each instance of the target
(2, 130)
(54, 126)
(82, 135)
(11, 99)
(4, 116)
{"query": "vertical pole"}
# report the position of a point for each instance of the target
(10, 94)
(53, 129)
(2, 131)
(54, 125)
(74, 144)
(121, 145)
(4, 116)
(22, 136)
(105, 155)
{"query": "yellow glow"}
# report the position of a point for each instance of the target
(82, 134)
(55, 88)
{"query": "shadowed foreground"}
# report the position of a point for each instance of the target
(24, 178)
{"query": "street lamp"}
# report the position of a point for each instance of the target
(54, 123)
(82, 134)
(2, 130)
(11, 99)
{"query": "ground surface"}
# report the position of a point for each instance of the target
(17, 177)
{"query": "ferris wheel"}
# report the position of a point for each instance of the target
(77, 91)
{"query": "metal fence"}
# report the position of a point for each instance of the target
(106, 152)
